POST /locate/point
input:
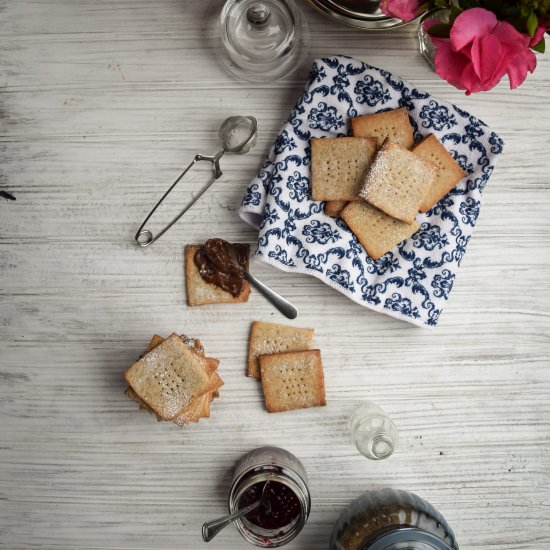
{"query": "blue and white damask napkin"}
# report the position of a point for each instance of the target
(411, 282)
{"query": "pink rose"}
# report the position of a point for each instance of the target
(481, 50)
(402, 9)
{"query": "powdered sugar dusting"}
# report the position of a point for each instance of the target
(169, 377)
(270, 338)
(293, 380)
(397, 181)
(193, 343)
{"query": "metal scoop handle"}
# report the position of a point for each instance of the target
(144, 237)
(211, 528)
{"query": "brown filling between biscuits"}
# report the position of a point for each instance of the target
(213, 260)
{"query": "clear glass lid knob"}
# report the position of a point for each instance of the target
(260, 40)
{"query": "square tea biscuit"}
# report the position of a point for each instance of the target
(338, 167)
(397, 181)
(200, 407)
(266, 338)
(334, 208)
(449, 174)
(199, 292)
(293, 380)
(393, 124)
(376, 231)
(170, 377)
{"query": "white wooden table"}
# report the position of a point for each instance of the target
(102, 103)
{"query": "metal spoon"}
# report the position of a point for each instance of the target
(284, 306)
(238, 135)
(211, 528)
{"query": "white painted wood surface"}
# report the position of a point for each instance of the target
(102, 102)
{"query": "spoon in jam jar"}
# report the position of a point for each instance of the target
(211, 528)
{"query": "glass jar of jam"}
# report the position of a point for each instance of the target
(286, 501)
(388, 519)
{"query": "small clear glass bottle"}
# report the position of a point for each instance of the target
(373, 432)
(271, 464)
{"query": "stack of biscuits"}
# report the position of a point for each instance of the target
(378, 180)
(290, 371)
(174, 380)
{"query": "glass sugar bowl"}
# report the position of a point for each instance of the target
(287, 499)
(260, 41)
(389, 519)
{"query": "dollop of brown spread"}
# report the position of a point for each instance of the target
(213, 260)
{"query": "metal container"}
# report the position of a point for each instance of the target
(388, 519)
(361, 14)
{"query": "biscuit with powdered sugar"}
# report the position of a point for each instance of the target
(267, 338)
(394, 124)
(448, 175)
(397, 181)
(293, 380)
(338, 167)
(171, 377)
(334, 208)
(375, 230)
(201, 407)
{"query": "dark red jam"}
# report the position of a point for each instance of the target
(280, 507)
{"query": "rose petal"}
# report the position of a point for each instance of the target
(509, 36)
(481, 50)
(517, 70)
(470, 24)
(539, 33)
(402, 9)
(449, 64)
(470, 80)
(486, 55)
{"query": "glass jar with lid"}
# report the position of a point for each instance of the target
(260, 41)
(287, 501)
(389, 519)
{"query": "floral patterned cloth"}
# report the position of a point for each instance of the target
(412, 281)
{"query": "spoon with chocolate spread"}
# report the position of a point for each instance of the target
(224, 264)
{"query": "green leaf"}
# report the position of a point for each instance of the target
(455, 11)
(423, 7)
(540, 46)
(532, 23)
(440, 30)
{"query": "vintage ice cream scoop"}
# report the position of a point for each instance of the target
(211, 528)
(238, 135)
